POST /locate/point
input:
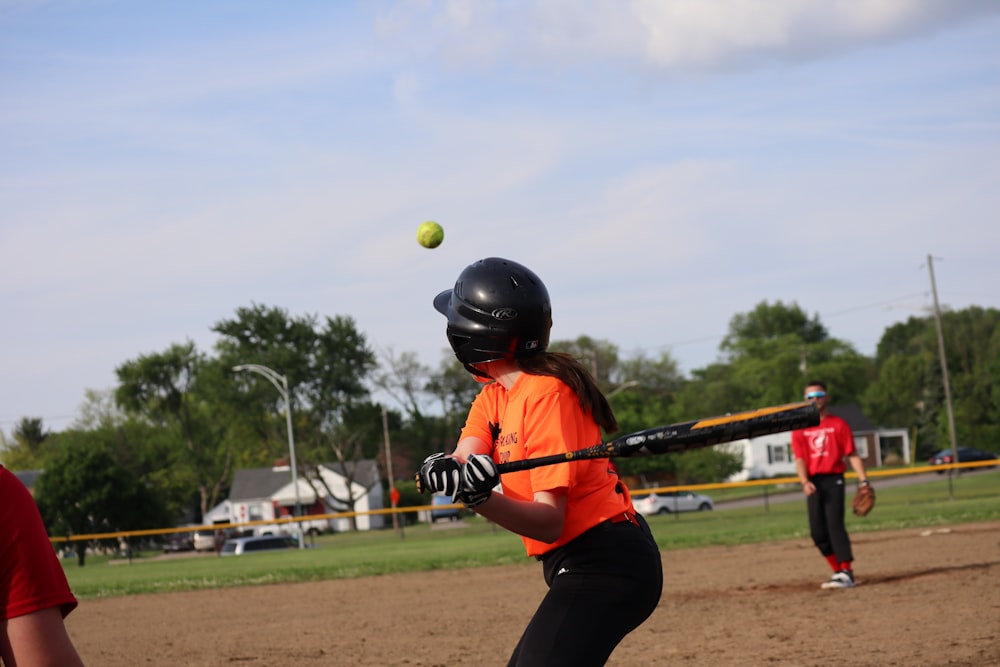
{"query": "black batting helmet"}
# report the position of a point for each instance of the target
(498, 309)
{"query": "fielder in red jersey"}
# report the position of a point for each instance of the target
(819, 453)
(34, 593)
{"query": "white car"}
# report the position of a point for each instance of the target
(673, 501)
(238, 546)
(204, 540)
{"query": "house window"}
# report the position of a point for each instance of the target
(779, 453)
(861, 446)
(256, 513)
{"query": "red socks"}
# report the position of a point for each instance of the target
(835, 566)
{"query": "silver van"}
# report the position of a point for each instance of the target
(237, 546)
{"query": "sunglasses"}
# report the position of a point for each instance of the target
(815, 394)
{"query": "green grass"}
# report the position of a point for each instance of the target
(348, 555)
(976, 498)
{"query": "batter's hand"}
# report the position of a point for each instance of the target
(479, 476)
(440, 474)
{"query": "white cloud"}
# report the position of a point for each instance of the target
(665, 35)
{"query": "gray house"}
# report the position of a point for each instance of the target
(266, 494)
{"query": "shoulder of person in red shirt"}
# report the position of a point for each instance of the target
(31, 575)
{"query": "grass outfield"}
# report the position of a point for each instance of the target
(475, 542)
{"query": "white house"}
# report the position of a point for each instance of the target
(771, 455)
(265, 494)
(763, 457)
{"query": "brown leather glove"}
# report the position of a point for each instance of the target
(864, 499)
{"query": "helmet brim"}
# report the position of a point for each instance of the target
(441, 302)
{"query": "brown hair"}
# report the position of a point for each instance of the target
(577, 378)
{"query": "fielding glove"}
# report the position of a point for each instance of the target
(864, 499)
(440, 474)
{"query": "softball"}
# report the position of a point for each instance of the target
(430, 234)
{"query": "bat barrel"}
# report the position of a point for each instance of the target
(727, 428)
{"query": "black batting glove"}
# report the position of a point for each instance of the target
(440, 474)
(479, 477)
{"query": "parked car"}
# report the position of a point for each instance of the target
(178, 542)
(452, 513)
(204, 540)
(238, 546)
(965, 455)
(673, 501)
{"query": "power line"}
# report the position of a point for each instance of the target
(875, 305)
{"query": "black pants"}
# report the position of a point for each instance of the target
(602, 585)
(826, 517)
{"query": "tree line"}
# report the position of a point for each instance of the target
(164, 444)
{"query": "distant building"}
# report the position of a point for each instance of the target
(771, 455)
(265, 494)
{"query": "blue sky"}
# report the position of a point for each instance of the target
(662, 165)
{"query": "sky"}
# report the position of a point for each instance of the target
(663, 165)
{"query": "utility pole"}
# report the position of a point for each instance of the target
(944, 374)
(393, 493)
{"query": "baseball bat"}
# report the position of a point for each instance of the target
(686, 435)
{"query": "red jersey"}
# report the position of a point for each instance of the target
(824, 447)
(31, 577)
(540, 416)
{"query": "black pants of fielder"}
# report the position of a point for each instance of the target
(602, 585)
(826, 517)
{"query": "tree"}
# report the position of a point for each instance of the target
(972, 343)
(908, 389)
(404, 379)
(28, 449)
(164, 389)
(327, 365)
(599, 356)
(454, 389)
(85, 490)
(770, 322)
(769, 354)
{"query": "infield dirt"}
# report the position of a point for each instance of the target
(924, 597)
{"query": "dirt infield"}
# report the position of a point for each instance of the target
(925, 597)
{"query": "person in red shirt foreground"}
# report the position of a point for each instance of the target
(819, 461)
(599, 559)
(34, 594)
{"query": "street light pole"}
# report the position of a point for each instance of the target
(280, 383)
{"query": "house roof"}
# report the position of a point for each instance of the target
(252, 483)
(855, 418)
(28, 477)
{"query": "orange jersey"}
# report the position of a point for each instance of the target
(541, 416)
